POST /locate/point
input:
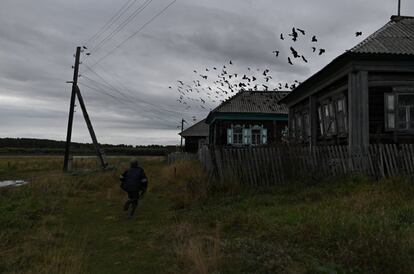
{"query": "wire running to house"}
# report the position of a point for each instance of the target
(129, 104)
(134, 34)
(120, 27)
(111, 21)
(130, 98)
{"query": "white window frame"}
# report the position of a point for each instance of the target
(391, 113)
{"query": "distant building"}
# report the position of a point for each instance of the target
(364, 96)
(249, 118)
(195, 136)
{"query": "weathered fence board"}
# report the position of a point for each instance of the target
(279, 165)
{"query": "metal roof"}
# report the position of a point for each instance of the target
(396, 37)
(199, 129)
(247, 101)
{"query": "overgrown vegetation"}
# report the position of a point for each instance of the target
(189, 224)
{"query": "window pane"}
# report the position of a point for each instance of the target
(390, 102)
(402, 125)
(402, 114)
(256, 136)
(406, 100)
(391, 120)
(340, 105)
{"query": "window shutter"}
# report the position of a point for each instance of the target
(229, 136)
(390, 111)
(264, 136)
(246, 136)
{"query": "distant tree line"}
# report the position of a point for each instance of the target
(50, 147)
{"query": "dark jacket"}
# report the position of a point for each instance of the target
(134, 179)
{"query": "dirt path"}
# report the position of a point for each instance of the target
(114, 244)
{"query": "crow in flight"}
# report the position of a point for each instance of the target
(294, 35)
(294, 52)
(276, 52)
(314, 49)
(322, 51)
(304, 59)
(301, 31)
(290, 61)
(281, 37)
(314, 39)
(358, 33)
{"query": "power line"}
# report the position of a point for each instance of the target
(98, 87)
(111, 21)
(121, 26)
(125, 102)
(135, 33)
(131, 98)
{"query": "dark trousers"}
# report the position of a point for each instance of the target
(133, 197)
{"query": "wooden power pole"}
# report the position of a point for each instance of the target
(182, 129)
(76, 92)
(71, 109)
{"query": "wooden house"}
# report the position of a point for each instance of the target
(249, 118)
(364, 96)
(195, 136)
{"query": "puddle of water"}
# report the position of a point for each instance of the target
(13, 183)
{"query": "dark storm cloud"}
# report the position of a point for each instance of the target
(38, 39)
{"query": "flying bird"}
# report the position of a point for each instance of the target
(314, 39)
(301, 31)
(304, 59)
(322, 51)
(294, 35)
(294, 52)
(314, 49)
(290, 61)
(358, 33)
(276, 52)
(281, 37)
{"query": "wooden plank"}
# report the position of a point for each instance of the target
(410, 158)
(388, 160)
(266, 165)
(280, 169)
(272, 161)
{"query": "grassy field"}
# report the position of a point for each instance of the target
(73, 223)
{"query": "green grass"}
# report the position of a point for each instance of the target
(62, 223)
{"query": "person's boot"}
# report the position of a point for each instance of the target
(133, 208)
(126, 205)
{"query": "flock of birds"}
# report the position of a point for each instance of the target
(213, 85)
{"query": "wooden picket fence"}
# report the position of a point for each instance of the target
(180, 156)
(281, 165)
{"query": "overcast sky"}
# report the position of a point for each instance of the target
(38, 40)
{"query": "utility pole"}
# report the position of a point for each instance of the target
(99, 152)
(71, 109)
(399, 7)
(182, 129)
(76, 92)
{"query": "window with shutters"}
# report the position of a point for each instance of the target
(341, 116)
(238, 135)
(399, 111)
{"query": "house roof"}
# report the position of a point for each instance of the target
(247, 101)
(199, 129)
(396, 38)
